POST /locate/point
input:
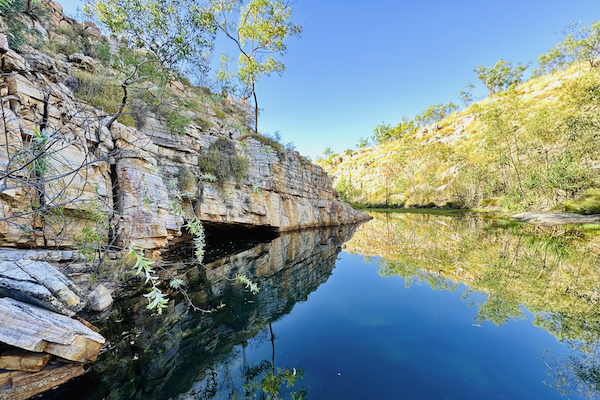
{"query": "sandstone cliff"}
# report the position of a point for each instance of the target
(67, 180)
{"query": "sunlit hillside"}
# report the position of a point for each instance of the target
(533, 147)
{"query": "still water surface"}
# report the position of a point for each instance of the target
(412, 307)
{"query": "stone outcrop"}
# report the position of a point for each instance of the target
(39, 283)
(41, 344)
(121, 184)
(35, 329)
(40, 349)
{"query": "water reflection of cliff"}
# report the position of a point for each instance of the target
(553, 272)
(161, 357)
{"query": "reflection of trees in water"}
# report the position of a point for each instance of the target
(508, 266)
(271, 379)
(239, 379)
(576, 372)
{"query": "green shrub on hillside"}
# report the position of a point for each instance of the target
(177, 123)
(104, 93)
(267, 141)
(203, 122)
(81, 41)
(501, 76)
(222, 161)
(219, 113)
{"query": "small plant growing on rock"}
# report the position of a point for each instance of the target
(209, 177)
(222, 161)
(185, 180)
(203, 122)
(177, 123)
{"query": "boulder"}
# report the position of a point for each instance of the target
(82, 61)
(39, 61)
(39, 283)
(100, 299)
(92, 29)
(35, 329)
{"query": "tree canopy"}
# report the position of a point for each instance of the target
(582, 46)
(260, 32)
(501, 76)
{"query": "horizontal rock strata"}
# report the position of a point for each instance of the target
(38, 330)
(41, 284)
(127, 180)
(20, 385)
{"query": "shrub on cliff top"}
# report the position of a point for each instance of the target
(267, 141)
(223, 162)
(102, 92)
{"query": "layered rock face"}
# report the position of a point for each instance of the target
(67, 178)
(71, 180)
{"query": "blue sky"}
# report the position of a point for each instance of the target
(358, 64)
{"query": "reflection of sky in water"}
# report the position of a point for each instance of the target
(361, 336)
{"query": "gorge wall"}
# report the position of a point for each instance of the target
(67, 179)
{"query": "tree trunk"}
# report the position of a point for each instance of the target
(255, 109)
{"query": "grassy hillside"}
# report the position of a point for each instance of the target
(533, 147)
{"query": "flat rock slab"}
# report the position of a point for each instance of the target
(9, 254)
(555, 219)
(21, 360)
(22, 385)
(35, 329)
(39, 283)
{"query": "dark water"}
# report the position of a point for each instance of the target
(416, 307)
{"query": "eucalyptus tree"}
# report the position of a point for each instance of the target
(501, 76)
(583, 46)
(261, 31)
(162, 37)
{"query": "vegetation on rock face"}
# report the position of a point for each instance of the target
(137, 79)
(185, 179)
(534, 146)
(223, 162)
(268, 141)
